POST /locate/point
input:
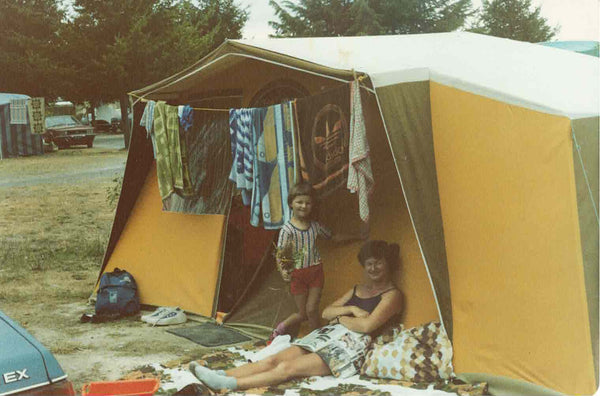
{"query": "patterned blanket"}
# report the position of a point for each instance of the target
(174, 376)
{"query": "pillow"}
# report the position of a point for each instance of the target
(420, 354)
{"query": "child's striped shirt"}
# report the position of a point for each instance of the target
(304, 241)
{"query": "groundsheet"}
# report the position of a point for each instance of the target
(175, 375)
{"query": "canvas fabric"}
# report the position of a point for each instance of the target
(406, 111)
(419, 354)
(206, 148)
(35, 107)
(274, 165)
(323, 137)
(18, 111)
(586, 165)
(360, 173)
(17, 140)
(536, 248)
(160, 248)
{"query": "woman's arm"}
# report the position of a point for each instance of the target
(337, 308)
(390, 305)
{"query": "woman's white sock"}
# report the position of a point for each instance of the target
(213, 379)
(194, 366)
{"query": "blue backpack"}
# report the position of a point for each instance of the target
(117, 294)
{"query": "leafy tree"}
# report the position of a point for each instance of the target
(118, 46)
(513, 19)
(313, 18)
(30, 46)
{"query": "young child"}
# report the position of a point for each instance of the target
(298, 257)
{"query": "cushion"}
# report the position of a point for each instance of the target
(419, 354)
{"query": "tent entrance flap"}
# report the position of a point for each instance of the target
(174, 257)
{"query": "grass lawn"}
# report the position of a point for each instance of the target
(52, 241)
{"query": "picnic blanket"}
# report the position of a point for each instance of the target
(175, 375)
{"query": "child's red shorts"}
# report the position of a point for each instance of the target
(307, 278)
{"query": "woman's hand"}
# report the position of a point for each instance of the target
(358, 312)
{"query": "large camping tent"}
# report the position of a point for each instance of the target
(16, 139)
(485, 156)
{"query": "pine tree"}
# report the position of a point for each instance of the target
(313, 18)
(513, 19)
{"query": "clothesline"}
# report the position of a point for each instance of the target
(359, 79)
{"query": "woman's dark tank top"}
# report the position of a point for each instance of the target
(368, 304)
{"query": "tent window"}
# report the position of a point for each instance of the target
(278, 91)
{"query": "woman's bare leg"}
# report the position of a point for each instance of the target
(307, 365)
(266, 364)
(312, 307)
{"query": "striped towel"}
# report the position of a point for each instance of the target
(147, 120)
(35, 106)
(360, 174)
(274, 165)
(242, 151)
(18, 111)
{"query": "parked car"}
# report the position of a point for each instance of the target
(66, 131)
(115, 124)
(101, 125)
(27, 367)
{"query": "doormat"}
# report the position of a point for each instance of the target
(210, 335)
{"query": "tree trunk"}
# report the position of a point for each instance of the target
(124, 101)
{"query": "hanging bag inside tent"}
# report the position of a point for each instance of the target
(117, 294)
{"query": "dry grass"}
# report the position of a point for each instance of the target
(52, 241)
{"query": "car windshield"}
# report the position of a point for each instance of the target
(62, 120)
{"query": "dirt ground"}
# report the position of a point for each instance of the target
(55, 218)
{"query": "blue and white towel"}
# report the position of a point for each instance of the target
(186, 119)
(147, 120)
(242, 150)
(274, 165)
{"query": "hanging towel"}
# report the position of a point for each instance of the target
(177, 155)
(163, 159)
(18, 111)
(35, 106)
(275, 166)
(323, 134)
(187, 118)
(360, 174)
(209, 163)
(147, 120)
(242, 150)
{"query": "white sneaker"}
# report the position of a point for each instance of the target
(175, 316)
(154, 316)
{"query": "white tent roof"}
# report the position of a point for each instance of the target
(525, 74)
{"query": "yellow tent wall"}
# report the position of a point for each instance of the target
(509, 208)
(389, 221)
(175, 258)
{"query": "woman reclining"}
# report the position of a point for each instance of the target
(338, 348)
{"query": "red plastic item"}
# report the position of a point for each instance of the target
(141, 387)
